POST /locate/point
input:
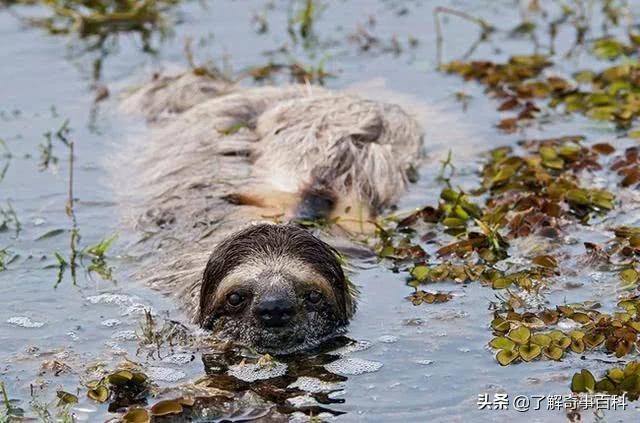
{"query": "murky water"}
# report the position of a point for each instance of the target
(426, 363)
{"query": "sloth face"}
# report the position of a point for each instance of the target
(276, 288)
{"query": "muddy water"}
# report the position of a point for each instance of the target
(425, 363)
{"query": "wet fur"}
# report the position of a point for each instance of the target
(190, 181)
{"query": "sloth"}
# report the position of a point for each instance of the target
(221, 174)
(276, 287)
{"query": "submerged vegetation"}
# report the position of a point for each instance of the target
(100, 18)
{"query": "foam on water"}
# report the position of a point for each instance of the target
(253, 372)
(124, 335)
(353, 366)
(165, 374)
(110, 323)
(388, 339)
(314, 385)
(180, 359)
(302, 401)
(24, 322)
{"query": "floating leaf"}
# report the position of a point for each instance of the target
(546, 261)
(420, 272)
(163, 408)
(502, 343)
(66, 398)
(583, 382)
(100, 394)
(609, 48)
(502, 283)
(553, 352)
(616, 375)
(577, 346)
(50, 234)
(541, 340)
(500, 325)
(136, 415)
(120, 377)
(594, 340)
(529, 352)
(506, 357)
(629, 276)
(520, 335)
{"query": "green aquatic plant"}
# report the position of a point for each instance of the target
(125, 387)
(610, 95)
(302, 17)
(48, 159)
(97, 254)
(101, 17)
(153, 337)
(616, 381)
(616, 333)
(425, 297)
(627, 166)
(6, 258)
(5, 159)
(166, 408)
(9, 220)
(99, 23)
(295, 71)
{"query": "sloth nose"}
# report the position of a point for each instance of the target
(275, 311)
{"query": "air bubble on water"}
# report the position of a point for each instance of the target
(302, 401)
(253, 372)
(425, 362)
(568, 325)
(74, 336)
(62, 355)
(24, 322)
(353, 347)
(388, 339)
(179, 359)
(137, 309)
(300, 417)
(336, 394)
(353, 366)
(82, 414)
(129, 305)
(110, 323)
(165, 374)
(114, 348)
(118, 299)
(315, 385)
(125, 335)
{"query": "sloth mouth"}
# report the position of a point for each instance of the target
(280, 338)
(291, 340)
(296, 337)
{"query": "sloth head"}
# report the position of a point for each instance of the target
(276, 288)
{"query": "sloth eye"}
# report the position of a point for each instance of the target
(235, 299)
(314, 297)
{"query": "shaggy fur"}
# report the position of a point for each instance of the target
(275, 261)
(269, 149)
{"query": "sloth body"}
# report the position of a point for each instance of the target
(224, 158)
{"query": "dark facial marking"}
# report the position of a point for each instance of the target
(314, 297)
(271, 240)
